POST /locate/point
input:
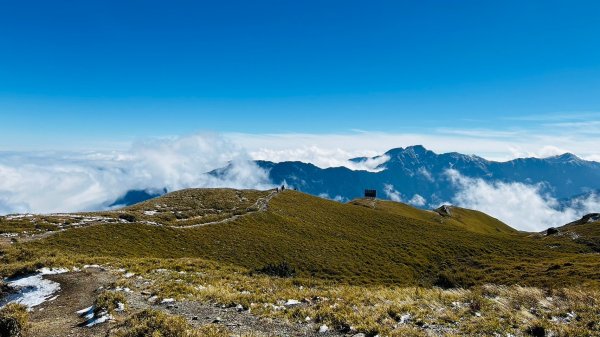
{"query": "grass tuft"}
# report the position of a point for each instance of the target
(13, 320)
(109, 301)
(154, 323)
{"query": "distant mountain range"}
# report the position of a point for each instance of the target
(417, 171)
(420, 176)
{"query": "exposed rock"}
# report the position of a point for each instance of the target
(444, 210)
(588, 218)
(404, 319)
(536, 331)
(291, 303)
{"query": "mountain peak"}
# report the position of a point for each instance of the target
(417, 148)
(414, 149)
(565, 158)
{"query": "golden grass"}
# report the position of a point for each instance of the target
(109, 301)
(483, 310)
(346, 242)
(360, 267)
(13, 320)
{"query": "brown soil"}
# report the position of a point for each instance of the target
(79, 290)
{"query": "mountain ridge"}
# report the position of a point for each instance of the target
(364, 241)
(421, 176)
(417, 170)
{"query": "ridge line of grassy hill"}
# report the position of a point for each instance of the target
(389, 244)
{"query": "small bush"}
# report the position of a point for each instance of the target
(448, 279)
(109, 301)
(155, 323)
(128, 217)
(213, 330)
(4, 289)
(536, 331)
(282, 269)
(13, 320)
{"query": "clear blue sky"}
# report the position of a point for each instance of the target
(77, 71)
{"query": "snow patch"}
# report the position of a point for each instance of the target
(91, 266)
(291, 303)
(32, 290)
(92, 318)
(53, 271)
(99, 319)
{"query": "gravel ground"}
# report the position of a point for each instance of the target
(78, 290)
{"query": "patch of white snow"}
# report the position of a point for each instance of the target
(32, 290)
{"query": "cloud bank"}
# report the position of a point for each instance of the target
(64, 182)
(45, 182)
(522, 206)
(334, 149)
(392, 194)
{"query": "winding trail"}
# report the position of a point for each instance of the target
(261, 205)
(78, 290)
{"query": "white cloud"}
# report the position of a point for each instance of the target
(319, 156)
(543, 152)
(425, 173)
(417, 200)
(593, 157)
(59, 182)
(521, 206)
(337, 198)
(334, 149)
(373, 164)
(391, 193)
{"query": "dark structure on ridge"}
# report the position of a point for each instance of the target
(370, 193)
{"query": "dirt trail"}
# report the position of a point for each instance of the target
(239, 322)
(79, 290)
(261, 205)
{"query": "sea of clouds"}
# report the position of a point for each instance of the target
(47, 182)
(523, 206)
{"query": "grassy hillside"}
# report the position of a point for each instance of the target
(585, 231)
(197, 206)
(384, 243)
(471, 220)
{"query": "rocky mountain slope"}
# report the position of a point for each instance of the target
(585, 231)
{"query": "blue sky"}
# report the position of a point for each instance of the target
(99, 74)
